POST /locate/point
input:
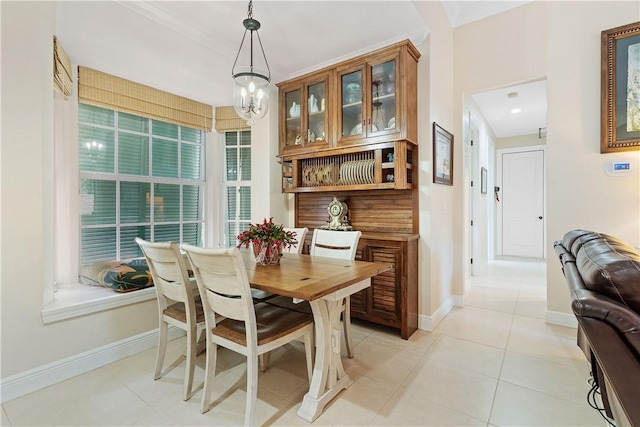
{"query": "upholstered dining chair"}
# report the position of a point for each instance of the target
(248, 328)
(177, 303)
(301, 233)
(341, 245)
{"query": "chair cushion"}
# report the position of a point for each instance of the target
(272, 323)
(178, 311)
(121, 276)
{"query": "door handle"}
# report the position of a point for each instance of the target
(539, 217)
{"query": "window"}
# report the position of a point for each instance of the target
(237, 184)
(138, 178)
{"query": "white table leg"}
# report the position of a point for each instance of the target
(329, 377)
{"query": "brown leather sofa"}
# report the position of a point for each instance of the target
(603, 275)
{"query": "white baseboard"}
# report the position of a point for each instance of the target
(429, 323)
(458, 301)
(38, 378)
(561, 319)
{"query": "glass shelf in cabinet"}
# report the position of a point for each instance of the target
(352, 105)
(383, 97)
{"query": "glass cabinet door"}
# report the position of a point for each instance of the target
(293, 123)
(351, 98)
(316, 108)
(383, 97)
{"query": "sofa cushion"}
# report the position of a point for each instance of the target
(608, 266)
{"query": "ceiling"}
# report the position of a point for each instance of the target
(201, 38)
(515, 110)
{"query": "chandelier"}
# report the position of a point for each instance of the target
(250, 83)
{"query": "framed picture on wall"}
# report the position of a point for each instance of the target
(620, 89)
(442, 155)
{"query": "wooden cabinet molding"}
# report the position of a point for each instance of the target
(402, 89)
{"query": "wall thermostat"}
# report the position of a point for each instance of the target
(622, 168)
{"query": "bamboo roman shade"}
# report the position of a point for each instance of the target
(62, 80)
(227, 120)
(107, 91)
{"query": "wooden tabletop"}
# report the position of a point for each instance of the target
(309, 278)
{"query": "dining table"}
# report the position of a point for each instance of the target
(324, 282)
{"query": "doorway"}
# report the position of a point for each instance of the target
(521, 218)
(514, 118)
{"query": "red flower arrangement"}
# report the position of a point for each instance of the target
(266, 235)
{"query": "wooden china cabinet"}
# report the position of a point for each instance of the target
(351, 131)
(305, 121)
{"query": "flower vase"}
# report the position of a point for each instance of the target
(267, 253)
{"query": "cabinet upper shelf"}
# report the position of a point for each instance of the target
(387, 165)
(346, 109)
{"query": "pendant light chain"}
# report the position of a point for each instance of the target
(250, 16)
(251, 96)
(250, 10)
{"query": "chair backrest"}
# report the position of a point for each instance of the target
(168, 269)
(301, 233)
(223, 284)
(335, 244)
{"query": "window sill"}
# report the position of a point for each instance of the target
(81, 300)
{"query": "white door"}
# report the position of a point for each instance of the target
(523, 203)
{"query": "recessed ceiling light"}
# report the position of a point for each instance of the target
(515, 111)
(512, 95)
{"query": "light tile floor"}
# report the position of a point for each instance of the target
(494, 362)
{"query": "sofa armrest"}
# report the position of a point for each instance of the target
(625, 322)
(603, 274)
(586, 303)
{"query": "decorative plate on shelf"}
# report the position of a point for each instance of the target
(360, 175)
(357, 129)
(343, 174)
(354, 169)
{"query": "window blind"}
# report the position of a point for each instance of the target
(115, 93)
(139, 178)
(62, 80)
(227, 120)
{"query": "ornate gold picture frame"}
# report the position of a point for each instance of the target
(620, 89)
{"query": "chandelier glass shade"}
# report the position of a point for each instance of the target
(251, 82)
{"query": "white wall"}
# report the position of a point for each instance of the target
(520, 141)
(27, 163)
(559, 41)
(436, 202)
(580, 195)
(267, 199)
(494, 52)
